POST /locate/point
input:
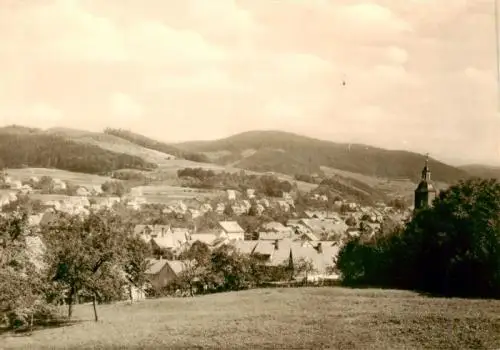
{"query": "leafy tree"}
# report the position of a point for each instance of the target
(230, 269)
(135, 263)
(84, 252)
(303, 266)
(351, 221)
(207, 221)
(451, 248)
(114, 188)
(22, 300)
(198, 252)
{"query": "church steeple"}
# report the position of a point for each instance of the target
(425, 192)
(426, 172)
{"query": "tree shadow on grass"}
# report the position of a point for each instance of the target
(26, 331)
(421, 293)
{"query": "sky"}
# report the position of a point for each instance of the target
(419, 75)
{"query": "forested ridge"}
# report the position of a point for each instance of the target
(19, 150)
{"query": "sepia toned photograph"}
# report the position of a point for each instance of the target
(250, 174)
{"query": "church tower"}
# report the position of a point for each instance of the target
(425, 192)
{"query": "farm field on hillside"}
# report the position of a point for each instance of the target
(166, 194)
(74, 178)
(303, 318)
(401, 187)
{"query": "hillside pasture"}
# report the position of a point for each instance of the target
(287, 318)
(165, 194)
(170, 168)
(402, 187)
(79, 179)
(112, 143)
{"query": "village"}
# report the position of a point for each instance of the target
(314, 235)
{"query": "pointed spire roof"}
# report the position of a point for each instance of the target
(426, 172)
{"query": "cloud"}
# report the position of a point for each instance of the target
(364, 21)
(222, 18)
(202, 80)
(39, 115)
(89, 37)
(124, 108)
(397, 55)
(154, 41)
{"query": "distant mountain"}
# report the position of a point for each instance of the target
(292, 154)
(30, 147)
(484, 171)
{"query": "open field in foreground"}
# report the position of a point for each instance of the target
(79, 179)
(303, 318)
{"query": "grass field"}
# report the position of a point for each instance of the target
(166, 194)
(80, 179)
(304, 318)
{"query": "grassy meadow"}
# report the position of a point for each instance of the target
(79, 179)
(166, 194)
(288, 318)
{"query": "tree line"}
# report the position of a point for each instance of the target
(451, 248)
(267, 185)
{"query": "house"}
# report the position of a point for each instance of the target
(35, 249)
(273, 236)
(136, 191)
(286, 195)
(34, 220)
(250, 193)
(276, 226)
(181, 208)
(275, 230)
(82, 192)
(264, 202)
(163, 272)
(246, 204)
(96, 190)
(244, 247)
(194, 213)
(26, 189)
(322, 258)
(135, 203)
(259, 209)
(16, 185)
(239, 209)
(204, 237)
(59, 185)
(206, 208)
(324, 227)
(321, 255)
(284, 206)
(220, 208)
(232, 230)
(4, 200)
(308, 236)
(7, 180)
(231, 195)
(34, 180)
(164, 237)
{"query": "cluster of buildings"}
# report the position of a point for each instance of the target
(316, 236)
